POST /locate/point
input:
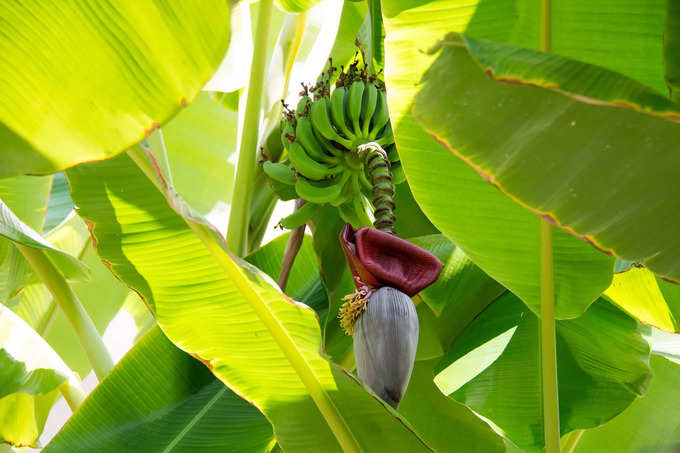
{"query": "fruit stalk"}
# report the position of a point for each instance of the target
(378, 165)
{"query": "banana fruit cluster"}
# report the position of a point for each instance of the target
(322, 137)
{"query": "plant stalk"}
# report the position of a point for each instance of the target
(378, 166)
(292, 248)
(73, 395)
(551, 407)
(67, 300)
(245, 171)
(551, 416)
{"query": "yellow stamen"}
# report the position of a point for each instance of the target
(351, 310)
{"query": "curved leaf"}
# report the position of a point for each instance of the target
(650, 424)
(100, 78)
(158, 399)
(498, 235)
(445, 423)
(198, 145)
(602, 364)
(12, 228)
(23, 414)
(563, 131)
(60, 205)
(14, 377)
(637, 292)
(264, 346)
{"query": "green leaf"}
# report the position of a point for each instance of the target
(650, 424)
(459, 281)
(264, 346)
(110, 75)
(637, 292)
(498, 235)
(196, 145)
(60, 205)
(623, 36)
(159, 399)
(304, 283)
(602, 362)
(446, 424)
(296, 6)
(671, 49)
(23, 413)
(14, 377)
(326, 226)
(12, 228)
(561, 120)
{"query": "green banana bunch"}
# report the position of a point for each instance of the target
(322, 137)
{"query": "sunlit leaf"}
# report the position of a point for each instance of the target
(498, 235)
(228, 315)
(23, 412)
(100, 78)
(637, 292)
(562, 120)
(159, 399)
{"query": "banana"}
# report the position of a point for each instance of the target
(327, 145)
(305, 135)
(316, 192)
(338, 111)
(279, 172)
(354, 213)
(307, 166)
(356, 92)
(365, 183)
(322, 122)
(381, 115)
(347, 189)
(287, 131)
(386, 138)
(368, 107)
(299, 217)
(302, 106)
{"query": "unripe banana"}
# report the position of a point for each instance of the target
(381, 115)
(386, 136)
(368, 107)
(279, 172)
(338, 111)
(302, 108)
(307, 166)
(299, 217)
(318, 192)
(356, 92)
(354, 213)
(349, 189)
(287, 133)
(322, 122)
(305, 135)
(385, 343)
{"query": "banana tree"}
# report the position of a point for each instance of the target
(339, 226)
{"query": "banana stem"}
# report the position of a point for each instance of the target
(245, 171)
(69, 303)
(378, 165)
(292, 248)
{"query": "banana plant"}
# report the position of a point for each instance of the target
(339, 226)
